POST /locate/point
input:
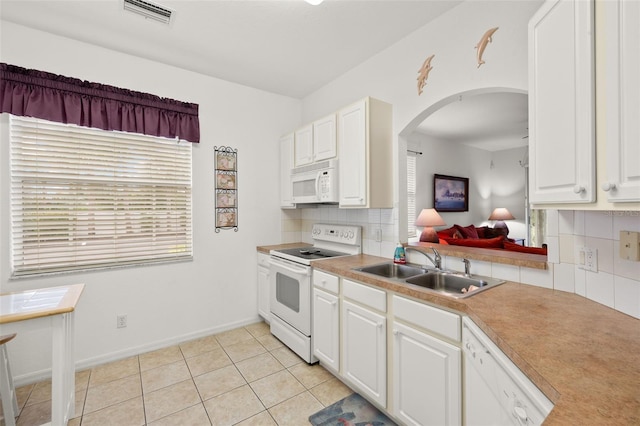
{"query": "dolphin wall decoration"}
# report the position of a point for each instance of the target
(482, 44)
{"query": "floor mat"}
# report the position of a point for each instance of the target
(353, 410)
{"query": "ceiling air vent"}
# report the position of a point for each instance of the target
(149, 10)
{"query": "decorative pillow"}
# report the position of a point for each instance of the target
(479, 243)
(495, 232)
(482, 232)
(523, 249)
(442, 241)
(468, 231)
(447, 233)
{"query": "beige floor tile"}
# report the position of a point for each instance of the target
(160, 357)
(261, 419)
(126, 413)
(219, 381)
(296, 411)
(270, 342)
(164, 376)
(243, 350)
(40, 392)
(82, 379)
(330, 391)
(286, 356)
(208, 361)
(99, 397)
(114, 370)
(233, 336)
(232, 407)
(75, 422)
(192, 416)
(35, 414)
(276, 388)
(23, 393)
(81, 397)
(310, 375)
(170, 400)
(259, 366)
(258, 329)
(199, 346)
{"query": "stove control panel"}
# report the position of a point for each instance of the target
(343, 234)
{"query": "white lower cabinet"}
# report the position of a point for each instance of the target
(426, 378)
(264, 309)
(364, 351)
(326, 329)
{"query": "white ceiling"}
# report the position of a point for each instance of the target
(286, 47)
(490, 121)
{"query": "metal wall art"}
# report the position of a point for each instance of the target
(226, 168)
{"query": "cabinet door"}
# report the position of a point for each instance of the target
(324, 138)
(352, 145)
(263, 293)
(365, 351)
(561, 103)
(303, 146)
(286, 164)
(426, 378)
(622, 33)
(326, 331)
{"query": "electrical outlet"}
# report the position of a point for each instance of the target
(121, 321)
(588, 259)
(630, 245)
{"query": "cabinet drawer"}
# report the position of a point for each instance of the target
(436, 320)
(263, 260)
(326, 281)
(372, 297)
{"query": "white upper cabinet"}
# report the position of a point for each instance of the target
(561, 103)
(364, 144)
(286, 164)
(316, 141)
(622, 34)
(303, 146)
(324, 138)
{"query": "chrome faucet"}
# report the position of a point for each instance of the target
(467, 267)
(436, 260)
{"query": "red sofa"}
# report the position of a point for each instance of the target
(483, 237)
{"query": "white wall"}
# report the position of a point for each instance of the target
(171, 302)
(391, 75)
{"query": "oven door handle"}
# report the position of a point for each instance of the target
(290, 267)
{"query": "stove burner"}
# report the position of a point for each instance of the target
(309, 251)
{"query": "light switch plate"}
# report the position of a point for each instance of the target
(630, 245)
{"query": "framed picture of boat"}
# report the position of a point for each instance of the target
(450, 193)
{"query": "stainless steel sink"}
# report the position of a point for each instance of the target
(454, 285)
(443, 282)
(393, 270)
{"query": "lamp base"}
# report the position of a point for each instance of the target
(429, 235)
(501, 227)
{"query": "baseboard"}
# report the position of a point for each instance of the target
(45, 374)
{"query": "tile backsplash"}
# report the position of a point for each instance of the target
(615, 284)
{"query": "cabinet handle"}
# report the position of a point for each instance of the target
(608, 186)
(334, 303)
(396, 332)
(578, 189)
(379, 325)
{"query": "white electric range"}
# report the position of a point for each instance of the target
(290, 275)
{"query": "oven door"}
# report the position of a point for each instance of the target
(291, 293)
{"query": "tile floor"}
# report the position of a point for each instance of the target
(243, 376)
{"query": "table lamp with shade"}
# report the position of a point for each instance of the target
(500, 215)
(428, 218)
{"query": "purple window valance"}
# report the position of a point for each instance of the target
(62, 99)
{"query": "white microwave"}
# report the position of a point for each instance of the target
(315, 183)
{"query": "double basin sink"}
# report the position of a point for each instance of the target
(448, 283)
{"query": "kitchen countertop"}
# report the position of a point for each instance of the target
(584, 356)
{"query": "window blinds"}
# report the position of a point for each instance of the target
(411, 195)
(84, 198)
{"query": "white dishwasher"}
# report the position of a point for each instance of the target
(496, 392)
